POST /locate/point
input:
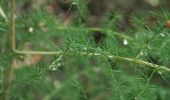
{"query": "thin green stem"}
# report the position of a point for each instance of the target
(108, 32)
(9, 72)
(38, 52)
(12, 24)
(130, 60)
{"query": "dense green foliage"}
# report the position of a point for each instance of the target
(72, 75)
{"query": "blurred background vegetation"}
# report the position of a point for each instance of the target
(53, 25)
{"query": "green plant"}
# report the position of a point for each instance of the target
(113, 66)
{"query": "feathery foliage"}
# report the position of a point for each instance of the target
(56, 60)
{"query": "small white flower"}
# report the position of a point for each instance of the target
(125, 42)
(31, 29)
(162, 34)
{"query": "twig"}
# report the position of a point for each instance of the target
(12, 24)
(109, 32)
(106, 31)
(9, 71)
(131, 60)
(37, 52)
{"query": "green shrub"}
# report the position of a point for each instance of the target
(78, 62)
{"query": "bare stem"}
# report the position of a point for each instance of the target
(130, 60)
(108, 32)
(12, 24)
(38, 52)
(9, 71)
